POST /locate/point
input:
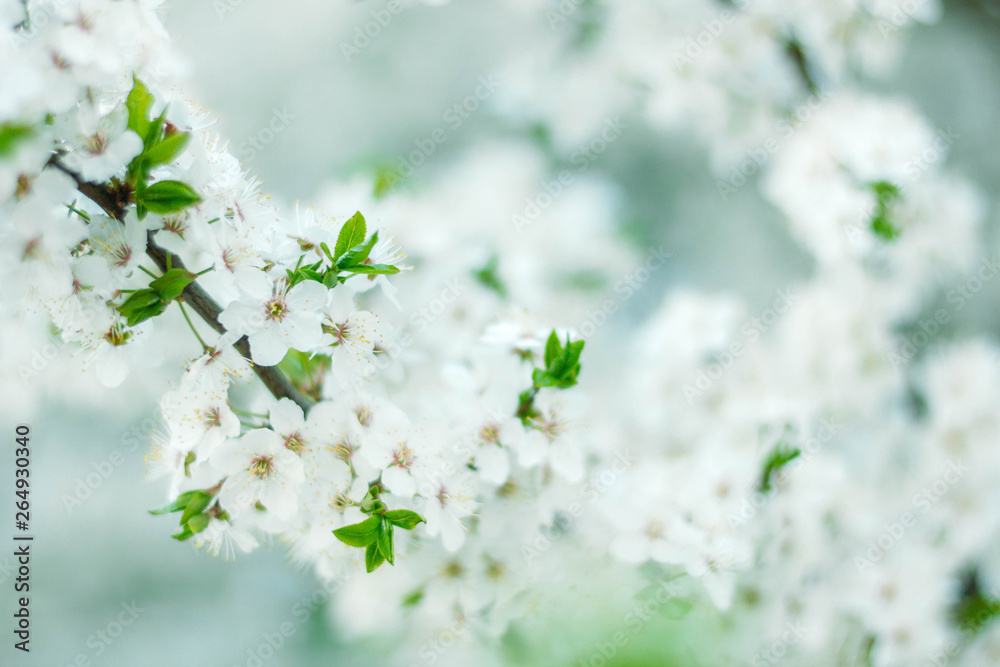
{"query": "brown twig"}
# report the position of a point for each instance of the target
(193, 295)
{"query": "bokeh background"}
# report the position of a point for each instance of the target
(250, 60)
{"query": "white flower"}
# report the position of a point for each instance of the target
(259, 469)
(354, 334)
(289, 319)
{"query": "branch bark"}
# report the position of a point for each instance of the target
(196, 297)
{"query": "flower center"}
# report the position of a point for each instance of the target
(213, 417)
(262, 467)
(294, 442)
(343, 450)
(403, 456)
(116, 336)
(275, 309)
(364, 415)
(490, 433)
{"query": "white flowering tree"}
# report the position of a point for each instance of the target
(759, 463)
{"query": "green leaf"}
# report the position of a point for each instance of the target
(357, 255)
(384, 541)
(553, 348)
(138, 104)
(489, 276)
(179, 503)
(413, 599)
(170, 285)
(385, 179)
(167, 150)
(779, 457)
(11, 134)
(199, 501)
(197, 523)
(405, 519)
(385, 269)
(167, 197)
(142, 305)
(155, 131)
(359, 534)
(351, 235)
(373, 557)
(183, 535)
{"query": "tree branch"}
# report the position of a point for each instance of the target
(193, 295)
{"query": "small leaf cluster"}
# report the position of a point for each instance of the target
(886, 195)
(489, 276)
(161, 144)
(375, 534)
(777, 459)
(151, 301)
(348, 258)
(192, 506)
(561, 369)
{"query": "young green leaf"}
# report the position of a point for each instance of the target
(197, 523)
(779, 457)
(351, 234)
(553, 348)
(179, 503)
(141, 305)
(171, 284)
(167, 197)
(384, 541)
(167, 150)
(199, 501)
(138, 104)
(373, 557)
(359, 534)
(357, 255)
(405, 519)
(374, 269)
(12, 134)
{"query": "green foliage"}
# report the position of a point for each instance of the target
(777, 459)
(11, 134)
(146, 303)
(886, 195)
(348, 258)
(562, 364)
(562, 367)
(489, 276)
(193, 518)
(142, 305)
(161, 144)
(375, 534)
(166, 197)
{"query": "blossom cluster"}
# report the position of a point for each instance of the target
(822, 457)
